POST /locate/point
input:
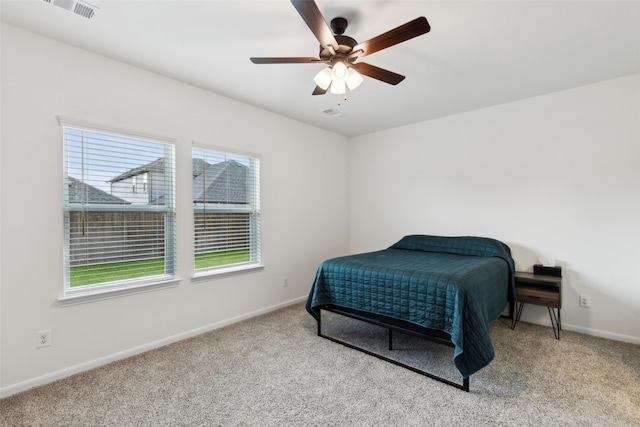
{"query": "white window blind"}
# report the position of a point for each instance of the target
(226, 210)
(119, 200)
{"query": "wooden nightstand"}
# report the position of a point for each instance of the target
(542, 290)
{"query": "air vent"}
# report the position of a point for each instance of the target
(78, 7)
(333, 113)
(83, 10)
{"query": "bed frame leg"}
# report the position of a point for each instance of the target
(390, 339)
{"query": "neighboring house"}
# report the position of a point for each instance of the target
(219, 183)
(220, 201)
(90, 230)
(92, 195)
(220, 198)
(141, 185)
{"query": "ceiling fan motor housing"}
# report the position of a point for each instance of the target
(345, 43)
(345, 46)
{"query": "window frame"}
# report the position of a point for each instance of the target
(90, 292)
(254, 209)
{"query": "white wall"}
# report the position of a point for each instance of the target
(42, 79)
(556, 175)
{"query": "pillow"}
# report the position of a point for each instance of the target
(464, 245)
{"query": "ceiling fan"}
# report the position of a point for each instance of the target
(341, 52)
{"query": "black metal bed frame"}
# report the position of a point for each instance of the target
(392, 325)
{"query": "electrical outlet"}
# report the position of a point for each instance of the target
(43, 339)
(285, 281)
(585, 301)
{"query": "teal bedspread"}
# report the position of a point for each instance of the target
(453, 284)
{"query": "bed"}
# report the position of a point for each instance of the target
(447, 289)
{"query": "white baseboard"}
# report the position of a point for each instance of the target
(602, 334)
(583, 330)
(66, 372)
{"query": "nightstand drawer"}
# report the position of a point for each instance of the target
(539, 296)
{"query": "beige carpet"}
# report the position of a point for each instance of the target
(273, 370)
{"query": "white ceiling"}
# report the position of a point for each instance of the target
(478, 53)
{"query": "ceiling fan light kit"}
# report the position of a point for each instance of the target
(337, 76)
(323, 78)
(338, 87)
(354, 79)
(341, 52)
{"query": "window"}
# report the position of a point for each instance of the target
(226, 210)
(119, 211)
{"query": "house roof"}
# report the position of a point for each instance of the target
(155, 166)
(91, 194)
(198, 166)
(224, 182)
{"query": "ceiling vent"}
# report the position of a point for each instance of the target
(78, 7)
(333, 113)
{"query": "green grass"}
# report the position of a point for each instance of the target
(216, 259)
(110, 272)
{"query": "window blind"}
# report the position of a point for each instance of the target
(119, 199)
(226, 203)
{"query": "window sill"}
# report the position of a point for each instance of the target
(211, 273)
(91, 295)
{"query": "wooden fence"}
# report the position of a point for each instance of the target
(99, 237)
(221, 231)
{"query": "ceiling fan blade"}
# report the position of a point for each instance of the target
(286, 60)
(378, 73)
(399, 34)
(310, 13)
(319, 91)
